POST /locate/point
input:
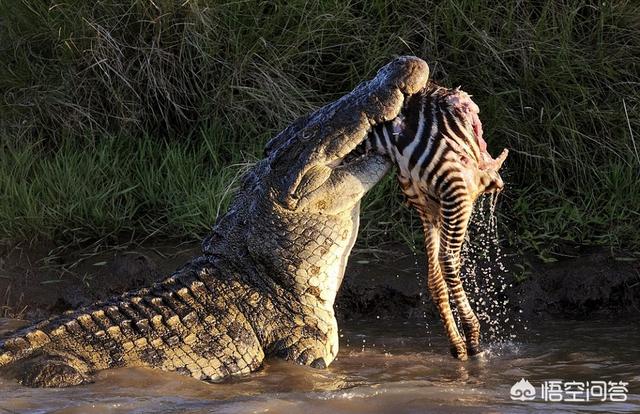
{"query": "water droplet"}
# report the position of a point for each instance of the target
(483, 272)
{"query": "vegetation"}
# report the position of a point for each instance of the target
(136, 116)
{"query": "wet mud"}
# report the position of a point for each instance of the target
(38, 281)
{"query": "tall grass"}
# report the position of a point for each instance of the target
(119, 187)
(136, 81)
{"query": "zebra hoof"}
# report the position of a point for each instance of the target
(479, 356)
(459, 352)
(474, 350)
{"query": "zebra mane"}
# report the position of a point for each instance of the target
(435, 88)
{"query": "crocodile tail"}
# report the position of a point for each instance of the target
(29, 340)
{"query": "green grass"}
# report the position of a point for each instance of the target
(117, 186)
(123, 117)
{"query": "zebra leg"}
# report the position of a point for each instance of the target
(439, 292)
(455, 219)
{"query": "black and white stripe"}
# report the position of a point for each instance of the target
(426, 143)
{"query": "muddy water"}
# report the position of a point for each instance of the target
(383, 367)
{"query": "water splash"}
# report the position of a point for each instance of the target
(483, 273)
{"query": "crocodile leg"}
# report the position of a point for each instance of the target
(51, 371)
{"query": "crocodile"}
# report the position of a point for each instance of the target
(269, 272)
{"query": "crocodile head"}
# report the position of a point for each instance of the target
(294, 221)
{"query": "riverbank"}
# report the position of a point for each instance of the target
(40, 280)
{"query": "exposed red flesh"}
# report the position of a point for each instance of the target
(462, 102)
